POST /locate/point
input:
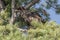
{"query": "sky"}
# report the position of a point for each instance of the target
(53, 16)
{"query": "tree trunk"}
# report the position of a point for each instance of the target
(13, 12)
(1, 5)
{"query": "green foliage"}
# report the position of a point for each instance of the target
(36, 24)
(1, 21)
(47, 31)
(4, 17)
(10, 32)
(4, 14)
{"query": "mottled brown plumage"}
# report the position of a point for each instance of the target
(28, 16)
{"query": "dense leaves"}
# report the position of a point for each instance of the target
(47, 31)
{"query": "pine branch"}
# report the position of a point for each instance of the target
(31, 4)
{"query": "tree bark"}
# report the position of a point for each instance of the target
(1, 5)
(13, 12)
